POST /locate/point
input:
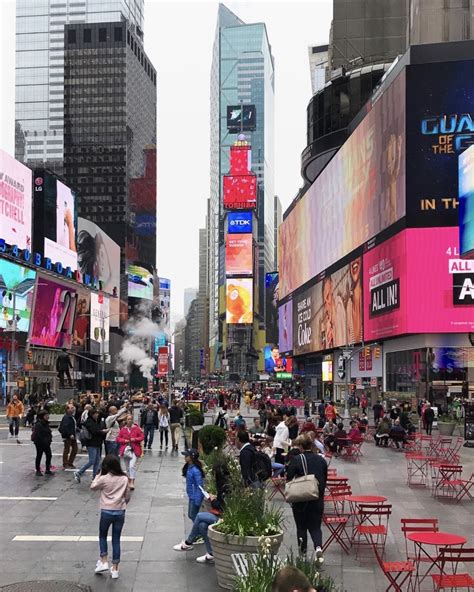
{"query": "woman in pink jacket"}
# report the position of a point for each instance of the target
(129, 439)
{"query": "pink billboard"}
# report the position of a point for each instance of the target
(416, 282)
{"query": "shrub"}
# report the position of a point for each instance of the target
(194, 417)
(211, 437)
(57, 409)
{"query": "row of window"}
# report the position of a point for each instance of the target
(87, 35)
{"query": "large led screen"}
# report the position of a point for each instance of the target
(239, 222)
(99, 325)
(241, 118)
(140, 282)
(98, 256)
(54, 310)
(240, 192)
(62, 246)
(271, 306)
(329, 314)
(359, 193)
(239, 254)
(82, 320)
(440, 126)
(239, 301)
(466, 203)
(274, 361)
(164, 296)
(16, 290)
(285, 326)
(416, 282)
(15, 202)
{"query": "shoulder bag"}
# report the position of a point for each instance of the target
(302, 489)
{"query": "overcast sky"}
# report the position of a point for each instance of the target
(178, 40)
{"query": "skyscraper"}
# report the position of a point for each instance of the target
(189, 295)
(242, 72)
(39, 138)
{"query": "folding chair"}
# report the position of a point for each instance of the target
(449, 481)
(454, 580)
(394, 570)
(332, 472)
(337, 526)
(465, 488)
(452, 454)
(353, 451)
(372, 526)
(337, 497)
(417, 525)
(275, 486)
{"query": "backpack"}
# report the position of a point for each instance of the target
(262, 466)
(84, 434)
(33, 433)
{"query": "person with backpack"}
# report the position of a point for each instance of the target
(41, 436)
(222, 418)
(255, 466)
(92, 434)
(164, 424)
(67, 429)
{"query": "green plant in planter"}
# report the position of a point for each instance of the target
(194, 417)
(57, 409)
(446, 419)
(211, 437)
(312, 570)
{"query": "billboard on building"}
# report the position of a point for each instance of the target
(98, 256)
(329, 314)
(164, 297)
(163, 358)
(241, 118)
(285, 326)
(271, 306)
(99, 323)
(54, 310)
(140, 281)
(359, 193)
(82, 319)
(239, 300)
(16, 290)
(275, 361)
(466, 203)
(15, 202)
(239, 222)
(240, 192)
(440, 126)
(239, 254)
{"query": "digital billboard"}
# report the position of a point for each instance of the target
(239, 222)
(285, 326)
(329, 314)
(241, 118)
(416, 282)
(54, 310)
(466, 203)
(327, 371)
(98, 256)
(240, 192)
(164, 297)
(16, 290)
(271, 306)
(239, 300)
(15, 202)
(239, 254)
(274, 361)
(359, 193)
(440, 126)
(163, 356)
(81, 322)
(140, 282)
(99, 323)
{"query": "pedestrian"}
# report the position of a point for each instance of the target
(149, 423)
(428, 416)
(281, 441)
(330, 411)
(176, 417)
(130, 438)
(293, 427)
(291, 579)
(194, 474)
(377, 408)
(15, 411)
(42, 438)
(382, 433)
(308, 514)
(112, 423)
(67, 429)
(164, 424)
(364, 403)
(112, 483)
(92, 434)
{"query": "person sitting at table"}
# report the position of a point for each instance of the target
(329, 430)
(354, 432)
(383, 431)
(318, 439)
(308, 426)
(267, 448)
(340, 435)
(256, 429)
(293, 427)
(398, 434)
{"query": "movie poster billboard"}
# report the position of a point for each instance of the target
(271, 306)
(239, 254)
(359, 193)
(54, 310)
(15, 202)
(82, 319)
(466, 203)
(16, 290)
(285, 326)
(140, 282)
(164, 296)
(239, 301)
(98, 256)
(99, 323)
(329, 314)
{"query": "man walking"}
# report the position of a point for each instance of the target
(67, 429)
(176, 415)
(149, 423)
(112, 424)
(15, 411)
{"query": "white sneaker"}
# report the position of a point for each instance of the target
(114, 574)
(205, 558)
(101, 567)
(319, 555)
(77, 477)
(182, 547)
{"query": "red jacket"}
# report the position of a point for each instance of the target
(132, 436)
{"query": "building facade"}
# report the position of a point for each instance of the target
(318, 62)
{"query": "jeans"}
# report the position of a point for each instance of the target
(40, 449)
(130, 466)
(94, 461)
(193, 510)
(278, 469)
(308, 517)
(165, 432)
(200, 525)
(14, 425)
(112, 447)
(69, 452)
(116, 518)
(149, 431)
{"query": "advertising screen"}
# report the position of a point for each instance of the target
(329, 314)
(99, 325)
(140, 282)
(165, 303)
(239, 254)
(359, 193)
(466, 203)
(81, 322)
(271, 306)
(61, 245)
(239, 222)
(54, 310)
(16, 290)
(98, 256)
(274, 361)
(162, 361)
(239, 300)
(240, 192)
(285, 326)
(440, 126)
(15, 202)
(235, 114)
(327, 371)
(422, 261)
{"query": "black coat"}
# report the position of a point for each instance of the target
(317, 466)
(42, 434)
(143, 415)
(429, 415)
(95, 430)
(67, 427)
(176, 414)
(246, 459)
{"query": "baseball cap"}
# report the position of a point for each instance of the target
(191, 452)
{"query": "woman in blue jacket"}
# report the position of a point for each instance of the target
(194, 474)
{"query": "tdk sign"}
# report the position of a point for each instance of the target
(239, 222)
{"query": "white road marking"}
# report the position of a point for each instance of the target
(26, 538)
(29, 498)
(60, 454)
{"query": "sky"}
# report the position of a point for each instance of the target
(178, 40)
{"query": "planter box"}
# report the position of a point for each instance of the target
(446, 428)
(223, 546)
(55, 419)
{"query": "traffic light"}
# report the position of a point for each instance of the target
(30, 355)
(367, 352)
(377, 352)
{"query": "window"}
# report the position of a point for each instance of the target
(87, 35)
(71, 36)
(102, 35)
(118, 34)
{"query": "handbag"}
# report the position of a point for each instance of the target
(128, 452)
(302, 489)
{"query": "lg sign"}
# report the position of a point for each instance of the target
(239, 222)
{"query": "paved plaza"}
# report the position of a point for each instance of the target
(52, 534)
